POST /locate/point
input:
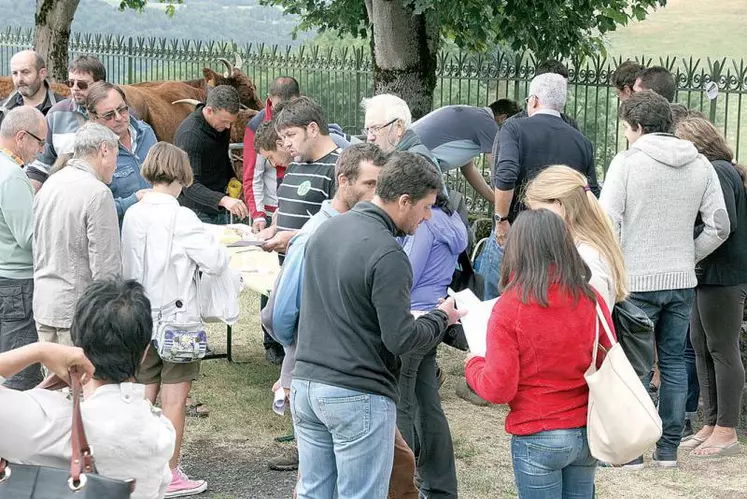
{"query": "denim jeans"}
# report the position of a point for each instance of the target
(555, 464)
(488, 265)
(421, 420)
(693, 388)
(17, 327)
(345, 441)
(669, 310)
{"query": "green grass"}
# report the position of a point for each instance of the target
(701, 28)
(239, 397)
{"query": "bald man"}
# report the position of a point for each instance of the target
(29, 73)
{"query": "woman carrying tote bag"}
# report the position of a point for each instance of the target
(539, 345)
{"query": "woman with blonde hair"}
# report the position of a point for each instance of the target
(565, 191)
(716, 320)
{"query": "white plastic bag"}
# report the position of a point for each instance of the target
(219, 296)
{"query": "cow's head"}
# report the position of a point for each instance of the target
(236, 78)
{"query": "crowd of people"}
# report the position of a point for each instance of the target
(102, 236)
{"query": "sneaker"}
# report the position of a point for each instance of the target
(463, 391)
(182, 486)
(634, 465)
(285, 462)
(664, 460)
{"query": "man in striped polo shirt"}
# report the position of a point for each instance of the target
(66, 117)
(310, 177)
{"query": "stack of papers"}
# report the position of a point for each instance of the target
(475, 323)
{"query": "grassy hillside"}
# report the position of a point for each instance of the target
(700, 28)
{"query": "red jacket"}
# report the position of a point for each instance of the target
(536, 359)
(250, 163)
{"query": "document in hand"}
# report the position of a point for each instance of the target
(475, 323)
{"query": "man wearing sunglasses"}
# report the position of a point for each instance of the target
(29, 73)
(20, 142)
(66, 117)
(106, 105)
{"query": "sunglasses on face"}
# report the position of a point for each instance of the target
(82, 85)
(121, 110)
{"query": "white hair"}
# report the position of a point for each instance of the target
(551, 90)
(21, 118)
(393, 107)
(90, 137)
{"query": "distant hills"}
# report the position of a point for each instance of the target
(243, 21)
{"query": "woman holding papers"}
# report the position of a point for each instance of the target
(539, 344)
(566, 192)
(433, 253)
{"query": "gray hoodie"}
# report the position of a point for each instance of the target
(653, 193)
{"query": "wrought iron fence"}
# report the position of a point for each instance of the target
(340, 78)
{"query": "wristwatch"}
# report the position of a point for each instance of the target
(498, 218)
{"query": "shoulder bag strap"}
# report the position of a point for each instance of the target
(82, 458)
(171, 230)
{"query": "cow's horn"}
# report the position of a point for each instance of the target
(228, 65)
(239, 61)
(194, 102)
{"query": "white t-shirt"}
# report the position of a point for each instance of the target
(601, 275)
(128, 436)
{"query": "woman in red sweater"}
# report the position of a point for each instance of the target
(539, 344)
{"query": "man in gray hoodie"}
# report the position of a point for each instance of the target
(654, 192)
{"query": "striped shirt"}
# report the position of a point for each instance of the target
(304, 188)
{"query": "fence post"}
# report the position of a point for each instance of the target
(716, 75)
(129, 61)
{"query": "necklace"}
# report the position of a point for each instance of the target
(12, 155)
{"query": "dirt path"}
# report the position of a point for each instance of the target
(236, 470)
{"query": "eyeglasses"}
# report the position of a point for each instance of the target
(82, 84)
(121, 110)
(41, 142)
(526, 101)
(376, 128)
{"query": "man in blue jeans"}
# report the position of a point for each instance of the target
(355, 321)
(653, 192)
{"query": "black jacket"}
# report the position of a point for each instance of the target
(727, 265)
(355, 317)
(529, 145)
(207, 149)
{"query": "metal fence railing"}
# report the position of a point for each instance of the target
(339, 79)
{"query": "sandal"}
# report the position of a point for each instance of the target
(197, 411)
(691, 442)
(732, 449)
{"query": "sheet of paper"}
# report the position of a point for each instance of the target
(245, 242)
(278, 403)
(475, 323)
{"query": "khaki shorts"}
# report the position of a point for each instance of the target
(155, 370)
(51, 334)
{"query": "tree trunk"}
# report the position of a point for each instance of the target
(52, 37)
(404, 49)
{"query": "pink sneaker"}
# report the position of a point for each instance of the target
(182, 486)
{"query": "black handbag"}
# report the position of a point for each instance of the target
(81, 481)
(635, 333)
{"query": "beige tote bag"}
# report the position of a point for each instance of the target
(622, 421)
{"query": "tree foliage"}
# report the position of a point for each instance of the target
(546, 27)
(139, 5)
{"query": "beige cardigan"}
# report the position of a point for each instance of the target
(76, 240)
